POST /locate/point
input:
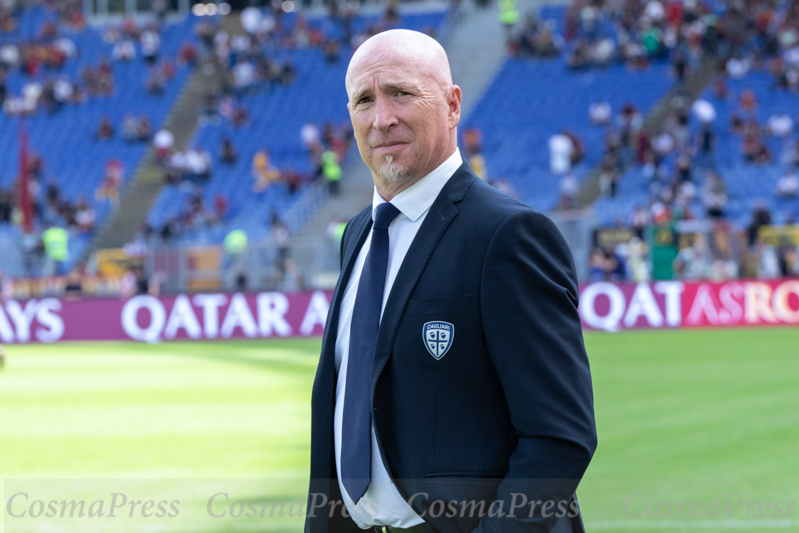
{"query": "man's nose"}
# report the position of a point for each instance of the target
(385, 115)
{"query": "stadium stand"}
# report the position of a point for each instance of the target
(277, 114)
(731, 156)
(536, 98)
(64, 137)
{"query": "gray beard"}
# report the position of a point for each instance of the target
(392, 172)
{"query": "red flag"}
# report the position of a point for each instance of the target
(25, 204)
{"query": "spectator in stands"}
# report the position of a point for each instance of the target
(331, 171)
(561, 149)
(240, 116)
(638, 220)
(104, 78)
(752, 146)
(187, 55)
(156, 81)
(265, 174)
(478, 164)
(768, 261)
(198, 165)
(124, 50)
(568, 191)
(286, 75)
(85, 216)
(111, 182)
(106, 130)
(748, 102)
(760, 217)
(473, 140)
(210, 111)
(3, 86)
(56, 248)
(683, 166)
(714, 196)
(638, 268)
(10, 57)
(331, 51)
(243, 77)
(6, 203)
(292, 280)
(780, 125)
(280, 236)
(608, 178)
(220, 206)
(170, 230)
(599, 113)
(659, 211)
(596, 265)
(142, 281)
(163, 141)
(130, 128)
(52, 192)
(692, 262)
(227, 152)
(705, 145)
(150, 44)
(788, 185)
(309, 135)
(175, 168)
(579, 57)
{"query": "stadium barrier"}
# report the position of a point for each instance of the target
(603, 306)
(673, 304)
(155, 319)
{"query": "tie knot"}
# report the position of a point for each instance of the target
(384, 214)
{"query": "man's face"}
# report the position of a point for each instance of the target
(401, 116)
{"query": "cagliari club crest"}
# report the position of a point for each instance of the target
(438, 337)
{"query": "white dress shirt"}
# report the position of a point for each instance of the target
(382, 504)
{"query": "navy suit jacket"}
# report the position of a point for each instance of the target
(507, 412)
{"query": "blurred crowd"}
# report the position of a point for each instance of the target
(249, 64)
(679, 158)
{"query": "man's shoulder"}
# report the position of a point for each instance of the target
(494, 207)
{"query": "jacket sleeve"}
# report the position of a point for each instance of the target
(528, 300)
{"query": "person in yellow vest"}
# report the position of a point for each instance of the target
(235, 245)
(478, 164)
(508, 15)
(331, 170)
(56, 247)
(235, 242)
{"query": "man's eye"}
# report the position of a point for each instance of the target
(402, 93)
(365, 100)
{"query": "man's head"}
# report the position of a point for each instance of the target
(404, 108)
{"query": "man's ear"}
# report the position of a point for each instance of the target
(454, 106)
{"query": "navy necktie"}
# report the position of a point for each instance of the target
(356, 438)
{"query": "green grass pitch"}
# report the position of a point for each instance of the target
(700, 418)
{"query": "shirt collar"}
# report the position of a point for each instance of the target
(415, 201)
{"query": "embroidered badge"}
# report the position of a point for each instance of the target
(438, 337)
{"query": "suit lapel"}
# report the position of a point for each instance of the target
(361, 226)
(438, 219)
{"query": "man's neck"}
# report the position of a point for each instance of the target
(387, 191)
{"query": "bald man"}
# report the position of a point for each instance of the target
(453, 392)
